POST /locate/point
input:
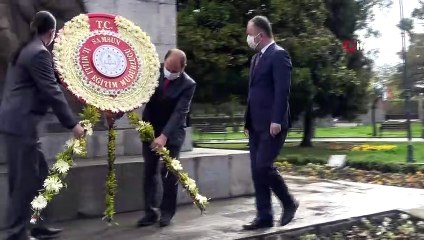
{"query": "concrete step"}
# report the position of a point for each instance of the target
(219, 174)
(127, 143)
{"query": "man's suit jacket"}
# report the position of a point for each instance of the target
(30, 89)
(269, 90)
(168, 111)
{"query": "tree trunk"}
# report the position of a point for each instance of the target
(308, 127)
(374, 125)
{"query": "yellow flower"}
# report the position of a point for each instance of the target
(367, 147)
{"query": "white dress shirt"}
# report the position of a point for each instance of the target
(266, 47)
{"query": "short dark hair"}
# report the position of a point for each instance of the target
(263, 24)
(182, 54)
(42, 23)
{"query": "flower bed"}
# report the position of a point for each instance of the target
(370, 165)
(414, 180)
(386, 225)
(369, 147)
(402, 226)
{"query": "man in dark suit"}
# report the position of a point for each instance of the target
(30, 89)
(267, 121)
(167, 111)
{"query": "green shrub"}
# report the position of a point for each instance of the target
(385, 167)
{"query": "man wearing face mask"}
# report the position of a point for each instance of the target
(267, 121)
(167, 111)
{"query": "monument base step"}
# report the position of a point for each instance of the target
(218, 173)
(127, 143)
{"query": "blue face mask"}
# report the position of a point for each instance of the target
(170, 76)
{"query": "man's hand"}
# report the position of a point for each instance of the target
(246, 132)
(111, 117)
(275, 129)
(78, 131)
(159, 142)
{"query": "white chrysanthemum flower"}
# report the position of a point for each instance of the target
(77, 147)
(70, 143)
(53, 184)
(39, 203)
(404, 216)
(176, 165)
(61, 166)
(201, 199)
(386, 221)
(89, 129)
(191, 184)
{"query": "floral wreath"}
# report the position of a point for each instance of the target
(66, 54)
(138, 83)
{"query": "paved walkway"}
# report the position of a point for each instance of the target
(242, 141)
(321, 201)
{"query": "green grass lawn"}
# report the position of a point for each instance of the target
(330, 132)
(324, 150)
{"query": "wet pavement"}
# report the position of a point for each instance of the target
(321, 201)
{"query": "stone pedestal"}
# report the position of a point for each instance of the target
(218, 173)
(156, 17)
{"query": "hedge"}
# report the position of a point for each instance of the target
(363, 165)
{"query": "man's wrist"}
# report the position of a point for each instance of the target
(163, 136)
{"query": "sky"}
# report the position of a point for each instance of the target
(389, 43)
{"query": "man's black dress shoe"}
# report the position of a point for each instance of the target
(258, 224)
(45, 232)
(164, 222)
(288, 214)
(147, 221)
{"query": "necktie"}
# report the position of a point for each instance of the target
(166, 84)
(258, 57)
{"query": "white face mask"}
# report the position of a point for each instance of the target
(251, 41)
(170, 76)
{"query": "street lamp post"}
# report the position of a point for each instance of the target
(407, 91)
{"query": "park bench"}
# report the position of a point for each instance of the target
(197, 127)
(220, 129)
(296, 130)
(392, 126)
(238, 127)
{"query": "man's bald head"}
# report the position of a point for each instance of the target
(175, 61)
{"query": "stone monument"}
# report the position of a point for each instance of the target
(219, 174)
